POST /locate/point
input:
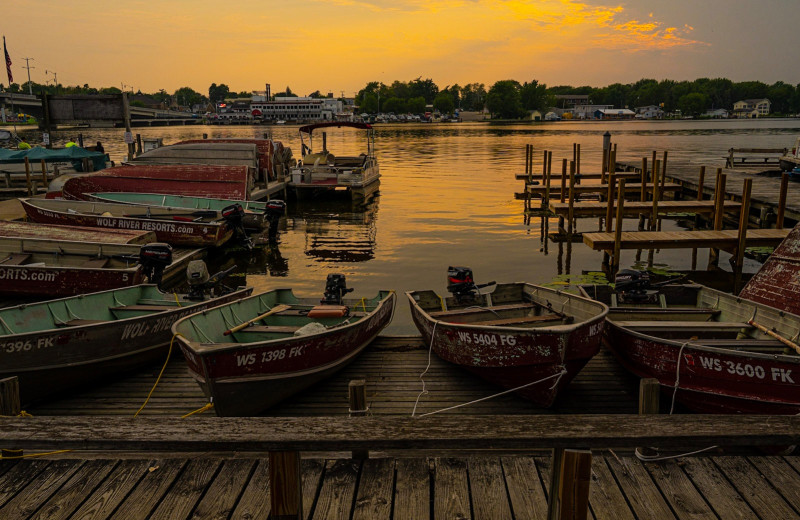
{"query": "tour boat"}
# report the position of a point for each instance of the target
(321, 170)
(253, 353)
(176, 226)
(55, 345)
(713, 351)
(519, 336)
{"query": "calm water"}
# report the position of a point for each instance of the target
(447, 197)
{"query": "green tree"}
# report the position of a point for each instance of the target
(423, 87)
(369, 103)
(693, 104)
(473, 96)
(416, 105)
(443, 102)
(503, 100)
(218, 93)
(780, 94)
(395, 105)
(535, 96)
(316, 95)
(186, 96)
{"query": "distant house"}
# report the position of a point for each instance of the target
(588, 111)
(750, 108)
(614, 113)
(534, 115)
(571, 100)
(649, 112)
(717, 113)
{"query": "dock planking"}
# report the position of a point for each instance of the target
(634, 209)
(726, 239)
(633, 188)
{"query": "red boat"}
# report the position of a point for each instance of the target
(723, 353)
(519, 336)
(266, 150)
(175, 226)
(777, 283)
(220, 182)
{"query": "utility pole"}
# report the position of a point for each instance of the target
(28, 66)
(55, 77)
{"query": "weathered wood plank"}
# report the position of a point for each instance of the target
(374, 494)
(221, 496)
(412, 493)
(254, 502)
(545, 467)
(765, 501)
(644, 498)
(525, 490)
(313, 471)
(488, 491)
(105, 499)
(147, 494)
(724, 239)
(18, 476)
(40, 489)
(187, 490)
(605, 496)
(74, 491)
(717, 490)
(335, 498)
(683, 497)
(450, 489)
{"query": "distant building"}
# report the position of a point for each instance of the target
(750, 108)
(298, 109)
(614, 113)
(588, 111)
(571, 100)
(649, 112)
(534, 115)
(717, 113)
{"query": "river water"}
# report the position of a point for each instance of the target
(447, 198)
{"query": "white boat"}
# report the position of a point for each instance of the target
(322, 170)
(791, 160)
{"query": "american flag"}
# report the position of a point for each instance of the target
(8, 63)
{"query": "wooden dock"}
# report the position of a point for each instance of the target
(579, 177)
(727, 239)
(634, 209)
(633, 188)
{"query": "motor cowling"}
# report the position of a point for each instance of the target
(460, 281)
(200, 282)
(155, 258)
(274, 210)
(335, 289)
(634, 286)
(234, 216)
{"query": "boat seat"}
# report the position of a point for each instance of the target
(665, 311)
(16, 259)
(95, 262)
(277, 329)
(481, 310)
(158, 308)
(672, 326)
(79, 323)
(517, 321)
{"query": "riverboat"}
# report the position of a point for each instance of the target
(176, 226)
(253, 353)
(711, 351)
(322, 171)
(520, 336)
(56, 345)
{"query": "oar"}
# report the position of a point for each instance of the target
(780, 338)
(274, 310)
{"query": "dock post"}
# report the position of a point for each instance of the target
(701, 179)
(547, 176)
(357, 392)
(656, 194)
(603, 166)
(663, 171)
(563, 192)
(649, 404)
(643, 195)
(782, 200)
(570, 479)
(205, 136)
(744, 221)
(10, 407)
(138, 144)
(613, 167)
(44, 174)
(571, 213)
(618, 227)
(719, 207)
(28, 176)
(285, 485)
(612, 179)
(578, 160)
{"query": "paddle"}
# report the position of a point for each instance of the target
(274, 310)
(775, 335)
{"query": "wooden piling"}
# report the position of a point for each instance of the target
(357, 392)
(578, 160)
(138, 144)
(656, 194)
(604, 166)
(618, 227)
(718, 216)
(701, 179)
(782, 200)
(570, 479)
(664, 168)
(28, 175)
(547, 176)
(563, 179)
(744, 221)
(285, 485)
(44, 174)
(649, 404)
(643, 194)
(571, 212)
(613, 167)
(612, 179)
(9, 397)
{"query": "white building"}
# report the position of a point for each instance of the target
(751, 108)
(650, 112)
(297, 109)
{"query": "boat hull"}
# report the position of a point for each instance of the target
(247, 378)
(46, 281)
(537, 362)
(51, 361)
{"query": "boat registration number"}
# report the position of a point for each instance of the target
(476, 338)
(24, 346)
(746, 369)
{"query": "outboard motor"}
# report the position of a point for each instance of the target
(633, 286)
(461, 283)
(274, 210)
(154, 258)
(201, 283)
(335, 289)
(234, 216)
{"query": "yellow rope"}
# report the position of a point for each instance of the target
(177, 300)
(160, 373)
(23, 413)
(206, 407)
(363, 304)
(33, 455)
(441, 302)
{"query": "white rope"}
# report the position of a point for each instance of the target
(677, 377)
(422, 375)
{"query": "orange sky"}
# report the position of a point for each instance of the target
(340, 45)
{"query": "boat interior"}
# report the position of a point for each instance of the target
(274, 315)
(111, 209)
(702, 316)
(515, 305)
(119, 304)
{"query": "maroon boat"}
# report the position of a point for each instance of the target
(176, 226)
(251, 354)
(519, 336)
(723, 353)
(777, 283)
(220, 182)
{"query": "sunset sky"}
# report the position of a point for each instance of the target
(340, 45)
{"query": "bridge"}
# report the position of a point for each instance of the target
(92, 111)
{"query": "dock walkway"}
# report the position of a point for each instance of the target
(634, 209)
(727, 239)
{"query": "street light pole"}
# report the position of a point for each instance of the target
(28, 66)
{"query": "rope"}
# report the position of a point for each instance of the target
(422, 375)
(204, 408)
(171, 342)
(177, 300)
(30, 455)
(363, 304)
